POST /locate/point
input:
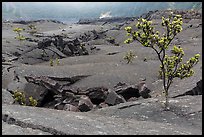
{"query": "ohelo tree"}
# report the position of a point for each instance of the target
(171, 65)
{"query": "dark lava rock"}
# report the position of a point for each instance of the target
(111, 40)
(106, 20)
(36, 91)
(128, 92)
(199, 87)
(69, 107)
(197, 90)
(59, 106)
(186, 14)
(102, 105)
(113, 98)
(84, 108)
(145, 93)
(97, 94)
(120, 84)
(7, 97)
(44, 43)
(85, 104)
(58, 122)
(34, 21)
(52, 47)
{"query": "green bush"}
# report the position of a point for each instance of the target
(57, 61)
(19, 97)
(32, 102)
(51, 62)
(171, 65)
(19, 36)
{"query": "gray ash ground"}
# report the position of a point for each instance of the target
(87, 49)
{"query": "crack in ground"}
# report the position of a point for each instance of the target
(128, 106)
(10, 120)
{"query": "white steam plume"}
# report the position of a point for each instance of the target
(105, 15)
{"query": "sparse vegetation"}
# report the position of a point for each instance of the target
(19, 36)
(57, 61)
(32, 102)
(82, 46)
(129, 56)
(51, 62)
(19, 97)
(32, 29)
(171, 65)
(116, 44)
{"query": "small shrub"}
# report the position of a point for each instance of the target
(82, 46)
(51, 62)
(32, 102)
(116, 44)
(19, 97)
(19, 36)
(129, 57)
(57, 61)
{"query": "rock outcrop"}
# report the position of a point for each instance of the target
(57, 122)
(61, 96)
(7, 97)
(197, 90)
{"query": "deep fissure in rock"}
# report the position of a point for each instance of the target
(49, 97)
(10, 120)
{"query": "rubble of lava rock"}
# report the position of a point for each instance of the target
(58, 94)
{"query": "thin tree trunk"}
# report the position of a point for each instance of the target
(166, 100)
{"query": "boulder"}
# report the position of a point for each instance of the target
(67, 51)
(7, 97)
(120, 84)
(44, 43)
(69, 98)
(145, 93)
(128, 92)
(59, 106)
(97, 94)
(56, 50)
(102, 105)
(143, 90)
(132, 99)
(199, 87)
(85, 104)
(84, 108)
(59, 42)
(69, 107)
(197, 90)
(113, 98)
(36, 91)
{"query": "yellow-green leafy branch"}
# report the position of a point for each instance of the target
(171, 66)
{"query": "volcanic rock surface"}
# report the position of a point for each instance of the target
(83, 85)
